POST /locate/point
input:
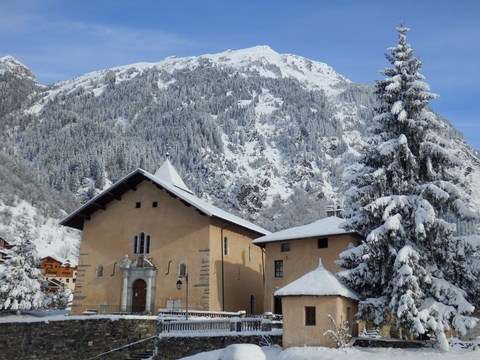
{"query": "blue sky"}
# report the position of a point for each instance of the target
(60, 39)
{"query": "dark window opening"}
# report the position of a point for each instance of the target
(278, 268)
(155, 204)
(141, 248)
(285, 247)
(310, 318)
(323, 243)
(137, 205)
(277, 305)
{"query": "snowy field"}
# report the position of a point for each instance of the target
(354, 353)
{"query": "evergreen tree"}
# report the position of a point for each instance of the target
(20, 284)
(403, 191)
(61, 298)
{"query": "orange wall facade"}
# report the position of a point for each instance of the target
(301, 259)
(297, 333)
(178, 235)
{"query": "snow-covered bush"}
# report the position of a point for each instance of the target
(20, 283)
(338, 332)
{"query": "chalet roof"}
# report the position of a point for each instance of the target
(50, 258)
(4, 244)
(319, 282)
(324, 227)
(165, 178)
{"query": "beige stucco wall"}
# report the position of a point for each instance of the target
(301, 259)
(179, 234)
(242, 269)
(296, 333)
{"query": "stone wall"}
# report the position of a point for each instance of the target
(75, 338)
(87, 337)
(175, 347)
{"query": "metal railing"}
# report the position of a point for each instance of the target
(198, 326)
(201, 313)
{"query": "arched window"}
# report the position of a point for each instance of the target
(99, 270)
(182, 270)
(141, 244)
(226, 246)
(253, 305)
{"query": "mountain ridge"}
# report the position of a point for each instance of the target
(245, 129)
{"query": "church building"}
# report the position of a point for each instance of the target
(147, 234)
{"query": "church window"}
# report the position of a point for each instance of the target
(182, 271)
(141, 244)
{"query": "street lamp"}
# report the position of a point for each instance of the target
(179, 287)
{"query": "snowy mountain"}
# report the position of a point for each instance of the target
(23, 196)
(264, 135)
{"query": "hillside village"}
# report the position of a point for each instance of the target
(390, 252)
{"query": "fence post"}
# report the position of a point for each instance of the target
(266, 325)
(267, 321)
(236, 324)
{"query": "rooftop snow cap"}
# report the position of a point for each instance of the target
(319, 282)
(168, 174)
(328, 226)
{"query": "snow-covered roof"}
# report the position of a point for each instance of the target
(324, 227)
(319, 282)
(167, 178)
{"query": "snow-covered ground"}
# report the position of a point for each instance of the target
(355, 353)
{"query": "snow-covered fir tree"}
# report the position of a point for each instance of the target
(20, 283)
(411, 271)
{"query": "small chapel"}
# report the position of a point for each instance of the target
(147, 233)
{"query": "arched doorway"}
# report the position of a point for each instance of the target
(139, 298)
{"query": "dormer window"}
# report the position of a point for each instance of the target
(141, 244)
